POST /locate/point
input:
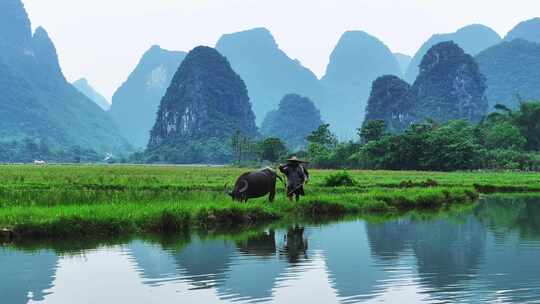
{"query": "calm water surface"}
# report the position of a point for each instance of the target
(489, 254)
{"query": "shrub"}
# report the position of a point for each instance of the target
(340, 179)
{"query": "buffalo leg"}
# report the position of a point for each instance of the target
(272, 195)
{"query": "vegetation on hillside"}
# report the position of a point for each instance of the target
(511, 69)
(293, 121)
(206, 103)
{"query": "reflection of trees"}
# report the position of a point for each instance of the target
(296, 245)
(26, 276)
(347, 260)
(447, 252)
(512, 262)
(263, 244)
(511, 213)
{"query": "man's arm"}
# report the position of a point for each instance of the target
(306, 173)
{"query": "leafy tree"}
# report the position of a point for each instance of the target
(321, 144)
(372, 130)
(272, 149)
(504, 135)
(528, 121)
(323, 136)
(425, 147)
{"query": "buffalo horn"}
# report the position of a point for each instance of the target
(245, 187)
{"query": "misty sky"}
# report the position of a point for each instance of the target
(103, 40)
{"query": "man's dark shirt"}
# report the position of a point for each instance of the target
(297, 175)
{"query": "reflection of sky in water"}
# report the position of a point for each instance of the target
(490, 255)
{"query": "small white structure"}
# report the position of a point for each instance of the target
(39, 162)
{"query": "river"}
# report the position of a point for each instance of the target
(489, 253)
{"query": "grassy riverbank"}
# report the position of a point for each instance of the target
(63, 201)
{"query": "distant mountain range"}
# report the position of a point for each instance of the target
(526, 30)
(267, 71)
(84, 87)
(512, 70)
(404, 61)
(472, 39)
(269, 74)
(449, 87)
(135, 103)
(357, 60)
(37, 102)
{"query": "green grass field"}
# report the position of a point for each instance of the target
(73, 201)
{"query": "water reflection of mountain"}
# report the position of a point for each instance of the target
(202, 263)
(449, 253)
(253, 274)
(205, 263)
(347, 257)
(153, 263)
(26, 276)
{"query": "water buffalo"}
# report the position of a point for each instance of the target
(255, 184)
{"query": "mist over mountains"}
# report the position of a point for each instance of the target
(37, 102)
(136, 102)
(84, 87)
(357, 60)
(512, 72)
(526, 30)
(472, 39)
(267, 71)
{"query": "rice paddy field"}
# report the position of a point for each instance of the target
(61, 201)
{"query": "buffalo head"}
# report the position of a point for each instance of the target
(239, 191)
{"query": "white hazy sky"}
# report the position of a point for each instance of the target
(103, 40)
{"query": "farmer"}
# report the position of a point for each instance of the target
(297, 177)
